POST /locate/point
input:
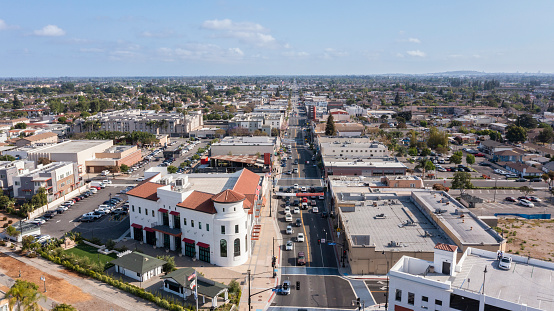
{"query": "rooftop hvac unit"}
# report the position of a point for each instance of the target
(179, 182)
(165, 181)
(394, 244)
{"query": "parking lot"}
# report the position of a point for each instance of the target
(107, 227)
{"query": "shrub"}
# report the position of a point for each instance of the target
(5, 225)
(10, 222)
(5, 218)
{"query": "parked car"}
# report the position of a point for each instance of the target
(536, 180)
(287, 210)
(322, 197)
(511, 176)
(521, 179)
(484, 163)
(511, 199)
(87, 218)
(70, 202)
(288, 217)
(479, 154)
(296, 210)
(140, 179)
(505, 263)
(534, 199)
(526, 203)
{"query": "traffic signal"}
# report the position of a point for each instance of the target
(318, 241)
(297, 285)
(273, 261)
(344, 252)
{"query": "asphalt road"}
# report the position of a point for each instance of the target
(378, 289)
(317, 291)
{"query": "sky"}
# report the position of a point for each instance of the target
(233, 38)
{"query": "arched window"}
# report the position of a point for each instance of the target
(223, 247)
(237, 247)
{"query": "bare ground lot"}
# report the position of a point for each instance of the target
(529, 237)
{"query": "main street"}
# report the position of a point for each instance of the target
(320, 285)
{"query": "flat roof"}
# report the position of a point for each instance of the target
(469, 229)
(70, 146)
(383, 164)
(527, 282)
(212, 183)
(403, 223)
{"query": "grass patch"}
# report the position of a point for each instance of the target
(83, 250)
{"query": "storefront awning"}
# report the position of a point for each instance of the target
(188, 241)
(136, 226)
(162, 210)
(174, 213)
(204, 245)
(148, 229)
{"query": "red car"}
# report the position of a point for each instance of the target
(524, 198)
(511, 199)
(479, 154)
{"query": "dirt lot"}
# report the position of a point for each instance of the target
(57, 289)
(529, 237)
(9, 217)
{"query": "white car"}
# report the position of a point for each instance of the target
(289, 229)
(140, 179)
(296, 210)
(303, 189)
(505, 263)
(296, 186)
(321, 197)
(37, 221)
(288, 217)
(106, 181)
(315, 210)
(289, 246)
(300, 237)
(498, 171)
(93, 190)
(287, 210)
(70, 202)
(526, 203)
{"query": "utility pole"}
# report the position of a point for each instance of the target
(249, 297)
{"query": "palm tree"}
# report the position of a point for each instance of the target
(25, 296)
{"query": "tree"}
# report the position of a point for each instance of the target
(406, 115)
(64, 307)
(527, 121)
(425, 152)
(470, 159)
(516, 133)
(440, 187)
(11, 231)
(330, 127)
(85, 114)
(169, 266)
(44, 161)
(437, 138)
(546, 135)
(423, 123)
(526, 190)
(124, 168)
(26, 242)
(62, 119)
(113, 169)
(412, 151)
(20, 126)
(455, 123)
(7, 157)
(462, 181)
(172, 169)
(24, 295)
(456, 158)
(548, 177)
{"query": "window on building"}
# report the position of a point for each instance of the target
(222, 229)
(139, 209)
(411, 298)
(146, 211)
(398, 295)
(237, 247)
(17, 183)
(236, 228)
(184, 221)
(424, 298)
(438, 302)
(223, 248)
(207, 227)
(192, 223)
(133, 208)
(199, 225)
(153, 215)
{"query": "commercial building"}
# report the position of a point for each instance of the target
(38, 140)
(173, 124)
(352, 147)
(258, 121)
(208, 217)
(138, 266)
(472, 282)
(58, 178)
(11, 169)
(232, 145)
(363, 167)
(378, 226)
(114, 156)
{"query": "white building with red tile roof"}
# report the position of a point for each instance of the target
(204, 216)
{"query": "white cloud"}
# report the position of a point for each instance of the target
(245, 32)
(50, 31)
(200, 52)
(292, 54)
(416, 53)
(3, 25)
(399, 55)
(91, 50)
(330, 53)
(414, 40)
(160, 34)
(229, 25)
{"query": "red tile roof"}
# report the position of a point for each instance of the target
(199, 201)
(446, 247)
(247, 184)
(228, 196)
(146, 190)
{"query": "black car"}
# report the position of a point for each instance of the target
(536, 180)
(324, 215)
(521, 180)
(484, 164)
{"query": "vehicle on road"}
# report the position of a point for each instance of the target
(511, 199)
(298, 222)
(295, 170)
(288, 217)
(484, 163)
(534, 199)
(512, 176)
(521, 179)
(296, 186)
(536, 179)
(289, 246)
(315, 210)
(303, 189)
(140, 179)
(287, 210)
(322, 197)
(301, 260)
(300, 237)
(526, 203)
(289, 229)
(505, 263)
(283, 289)
(296, 210)
(97, 184)
(107, 182)
(314, 203)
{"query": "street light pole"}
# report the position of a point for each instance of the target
(249, 297)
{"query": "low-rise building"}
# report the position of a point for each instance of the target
(57, 178)
(403, 182)
(363, 167)
(11, 169)
(352, 147)
(179, 283)
(473, 281)
(258, 121)
(522, 169)
(235, 145)
(41, 139)
(138, 266)
(208, 217)
(114, 156)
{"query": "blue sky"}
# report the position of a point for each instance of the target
(187, 38)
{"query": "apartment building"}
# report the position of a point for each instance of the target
(481, 110)
(58, 178)
(208, 217)
(11, 169)
(38, 140)
(258, 121)
(173, 124)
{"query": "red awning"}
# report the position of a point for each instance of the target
(204, 245)
(188, 241)
(136, 226)
(163, 210)
(148, 229)
(174, 213)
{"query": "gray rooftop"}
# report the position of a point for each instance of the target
(138, 262)
(206, 286)
(469, 229)
(403, 223)
(70, 146)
